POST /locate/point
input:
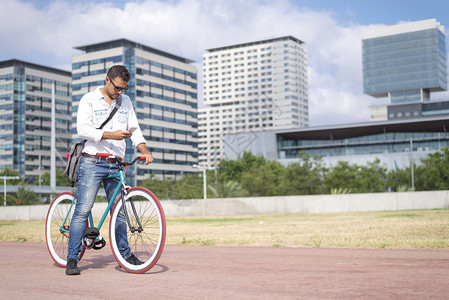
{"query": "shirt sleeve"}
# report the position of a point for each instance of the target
(137, 136)
(85, 121)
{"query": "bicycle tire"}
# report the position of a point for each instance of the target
(147, 245)
(58, 241)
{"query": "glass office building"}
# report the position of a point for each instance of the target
(405, 62)
(25, 117)
(163, 89)
(392, 142)
(364, 139)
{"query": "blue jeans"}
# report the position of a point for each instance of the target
(92, 172)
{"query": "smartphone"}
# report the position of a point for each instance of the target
(132, 129)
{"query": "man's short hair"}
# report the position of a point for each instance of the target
(119, 71)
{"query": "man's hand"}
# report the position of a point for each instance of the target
(148, 157)
(116, 135)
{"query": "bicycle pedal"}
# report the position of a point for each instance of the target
(100, 243)
(90, 234)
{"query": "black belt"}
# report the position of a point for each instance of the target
(105, 158)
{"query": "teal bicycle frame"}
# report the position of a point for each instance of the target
(135, 208)
(105, 214)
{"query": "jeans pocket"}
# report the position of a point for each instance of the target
(88, 160)
(87, 165)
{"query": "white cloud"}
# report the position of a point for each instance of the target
(188, 27)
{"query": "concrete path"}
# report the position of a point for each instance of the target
(187, 272)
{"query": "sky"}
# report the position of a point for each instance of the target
(45, 32)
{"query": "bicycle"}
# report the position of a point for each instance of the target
(144, 217)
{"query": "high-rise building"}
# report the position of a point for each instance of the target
(26, 91)
(163, 89)
(404, 62)
(252, 87)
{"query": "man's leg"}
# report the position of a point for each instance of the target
(110, 184)
(89, 181)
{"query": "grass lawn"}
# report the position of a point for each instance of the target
(391, 229)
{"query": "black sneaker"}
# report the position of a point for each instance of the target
(133, 260)
(72, 269)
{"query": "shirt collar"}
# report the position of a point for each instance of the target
(100, 96)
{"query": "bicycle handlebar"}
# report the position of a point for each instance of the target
(121, 160)
(140, 158)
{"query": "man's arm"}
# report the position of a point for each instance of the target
(116, 135)
(85, 119)
(143, 149)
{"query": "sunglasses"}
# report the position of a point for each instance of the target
(118, 89)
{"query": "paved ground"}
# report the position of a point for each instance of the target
(184, 272)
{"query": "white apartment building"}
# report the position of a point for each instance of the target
(163, 89)
(250, 87)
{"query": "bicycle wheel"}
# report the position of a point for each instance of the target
(146, 244)
(57, 227)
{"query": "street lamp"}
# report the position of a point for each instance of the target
(411, 163)
(4, 185)
(204, 168)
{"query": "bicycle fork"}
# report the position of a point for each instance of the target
(133, 207)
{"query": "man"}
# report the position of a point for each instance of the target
(94, 108)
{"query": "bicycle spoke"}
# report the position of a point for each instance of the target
(147, 244)
(57, 240)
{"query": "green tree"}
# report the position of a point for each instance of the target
(8, 172)
(189, 187)
(357, 179)
(372, 178)
(61, 180)
(23, 196)
(342, 177)
(433, 173)
(232, 170)
(401, 179)
(263, 179)
(252, 175)
(228, 189)
(162, 188)
(305, 177)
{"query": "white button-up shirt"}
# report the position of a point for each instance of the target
(93, 110)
